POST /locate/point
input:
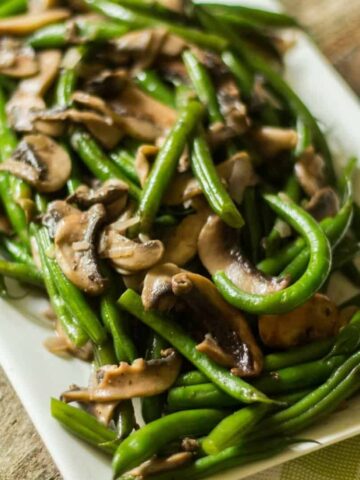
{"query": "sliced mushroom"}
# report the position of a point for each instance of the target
(27, 101)
(16, 59)
(140, 379)
(310, 171)
(113, 194)
(157, 290)
(181, 241)
(28, 23)
(41, 162)
(41, 5)
(318, 318)
(126, 255)
(158, 465)
(212, 349)
(102, 127)
(62, 345)
(107, 83)
(273, 140)
(324, 203)
(232, 108)
(56, 211)
(226, 324)
(219, 250)
(145, 155)
(133, 126)
(75, 249)
(237, 173)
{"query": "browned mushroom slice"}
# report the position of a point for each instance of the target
(27, 101)
(237, 172)
(273, 140)
(16, 59)
(140, 379)
(219, 250)
(212, 349)
(157, 290)
(227, 325)
(159, 465)
(232, 108)
(101, 127)
(128, 256)
(310, 171)
(41, 5)
(318, 318)
(145, 155)
(41, 162)
(62, 345)
(75, 249)
(324, 203)
(107, 83)
(56, 211)
(25, 24)
(113, 194)
(181, 241)
(134, 126)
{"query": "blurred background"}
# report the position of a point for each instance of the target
(335, 27)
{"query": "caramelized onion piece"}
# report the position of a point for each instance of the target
(219, 250)
(316, 319)
(41, 162)
(140, 379)
(75, 249)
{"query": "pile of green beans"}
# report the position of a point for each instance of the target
(193, 75)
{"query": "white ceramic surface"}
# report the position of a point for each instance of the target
(38, 375)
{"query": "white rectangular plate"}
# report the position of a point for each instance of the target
(38, 375)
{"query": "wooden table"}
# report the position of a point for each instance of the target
(334, 25)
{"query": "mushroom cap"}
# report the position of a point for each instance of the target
(219, 250)
(16, 59)
(318, 318)
(75, 249)
(140, 379)
(41, 162)
(128, 256)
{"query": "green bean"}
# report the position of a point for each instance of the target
(12, 189)
(125, 162)
(298, 376)
(334, 228)
(274, 79)
(75, 300)
(147, 441)
(203, 85)
(51, 36)
(137, 20)
(205, 395)
(152, 407)
(243, 77)
(252, 232)
(191, 378)
(151, 83)
(174, 334)
(22, 272)
(348, 340)
(205, 172)
(296, 355)
(116, 323)
(72, 329)
(104, 354)
(165, 164)
(84, 426)
(231, 429)
(356, 221)
(126, 419)
(17, 251)
(258, 15)
(296, 294)
(12, 7)
(98, 162)
(229, 458)
(68, 76)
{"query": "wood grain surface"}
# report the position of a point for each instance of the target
(334, 25)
